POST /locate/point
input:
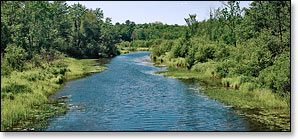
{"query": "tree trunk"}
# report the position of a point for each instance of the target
(279, 23)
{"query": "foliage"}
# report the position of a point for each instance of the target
(15, 56)
(24, 93)
(5, 68)
(12, 89)
(73, 30)
(247, 47)
(153, 31)
(277, 76)
(207, 68)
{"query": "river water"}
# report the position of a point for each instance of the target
(129, 96)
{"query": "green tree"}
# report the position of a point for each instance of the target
(232, 15)
(192, 24)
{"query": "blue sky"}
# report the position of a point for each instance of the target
(168, 12)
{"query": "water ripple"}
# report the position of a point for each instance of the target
(130, 97)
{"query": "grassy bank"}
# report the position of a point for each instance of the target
(125, 50)
(257, 104)
(25, 95)
(137, 45)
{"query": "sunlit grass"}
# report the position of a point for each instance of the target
(268, 108)
(17, 108)
(125, 50)
(79, 68)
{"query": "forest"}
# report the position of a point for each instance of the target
(241, 46)
(247, 49)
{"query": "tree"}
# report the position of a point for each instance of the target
(76, 12)
(98, 13)
(232, 15)
(192, 24)
(5, 36)
(108, 38)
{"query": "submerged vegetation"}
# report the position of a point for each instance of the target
(244, 53)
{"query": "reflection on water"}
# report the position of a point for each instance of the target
(128, 96)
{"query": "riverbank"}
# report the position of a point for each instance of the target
(137, 45)
(126, 50)
(258, 105)
(25, 103)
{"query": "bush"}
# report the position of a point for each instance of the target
(203, 52)
(175, 51)
(225, 68)
(207, 68)
(248, 86)
(164, 47)
(59, 80)
(178, 62)
(222, 52)
(252, 57)
(36, 60)
(5, 68)
(15, 56)
(277, 76)
(62, 70)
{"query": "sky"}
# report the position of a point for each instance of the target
(167, 12)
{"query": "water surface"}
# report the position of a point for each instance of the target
(128, 96)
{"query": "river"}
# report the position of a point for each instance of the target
(129, 96)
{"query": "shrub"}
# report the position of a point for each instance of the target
(5, 68)
(224, 68)
(62, 70)
(222, 52)
(178, 62)
(207, 68)
(245, 79)
(36, 60)
(277, 76)
(252, 57)
(164, 47)
(248, 86)
(15, 56)
(175, 50)
(59, 80)
(203, 51)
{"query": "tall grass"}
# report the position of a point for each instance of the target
(23, 92)
(265, 106)
(239, 91)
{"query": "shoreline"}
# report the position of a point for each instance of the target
(254, 108)
(256, 111)
(19, 114)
